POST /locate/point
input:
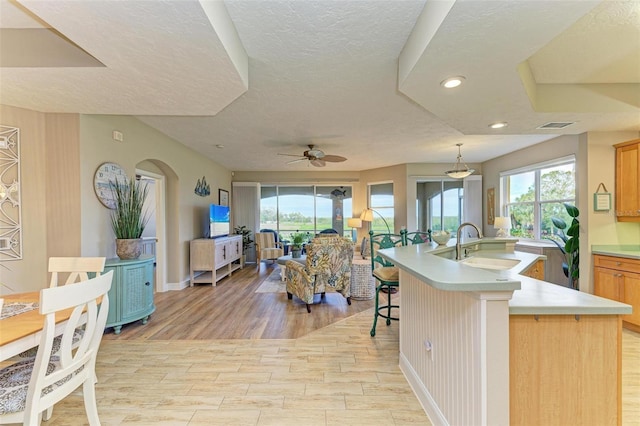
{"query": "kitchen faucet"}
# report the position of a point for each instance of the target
(459, 237)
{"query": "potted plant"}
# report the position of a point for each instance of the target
(128, 219)
(246, 239)
(570, 245)
(297, 240)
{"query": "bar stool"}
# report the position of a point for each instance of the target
(386, 273)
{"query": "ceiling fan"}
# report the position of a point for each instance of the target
(315, 157)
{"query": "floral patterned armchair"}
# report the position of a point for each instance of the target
(328, 263)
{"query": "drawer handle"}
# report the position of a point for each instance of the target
(147, 283)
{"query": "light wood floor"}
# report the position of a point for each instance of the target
(233, 310)
(273, 374)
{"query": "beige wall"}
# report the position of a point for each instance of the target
(187, 213)
(61, 214)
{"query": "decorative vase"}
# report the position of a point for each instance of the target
(129, 248)
(296, 253)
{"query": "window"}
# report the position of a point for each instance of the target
(440, 204)
(533, 195)
(381, 200)
(308, 208)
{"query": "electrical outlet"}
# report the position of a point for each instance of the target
(118, 136)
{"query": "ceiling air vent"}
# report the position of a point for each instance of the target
(556, 125)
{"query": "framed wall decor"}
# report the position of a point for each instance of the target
(223, 197)
(491, 206)
(601, 200)
(10, 194)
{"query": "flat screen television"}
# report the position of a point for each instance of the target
(218, 221)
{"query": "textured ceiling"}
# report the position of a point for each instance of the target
(269, 77)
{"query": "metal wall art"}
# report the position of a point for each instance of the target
(10, 212)
(202, 188)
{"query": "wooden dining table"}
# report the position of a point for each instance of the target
(22, 331)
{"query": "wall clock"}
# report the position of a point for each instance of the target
(106, 173)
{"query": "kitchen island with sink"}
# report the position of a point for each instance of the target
(481, 343)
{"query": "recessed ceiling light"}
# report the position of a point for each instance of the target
(219, 146)
(498, 125)
(452, 82)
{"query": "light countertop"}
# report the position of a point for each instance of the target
(631, 251)
(435, 266)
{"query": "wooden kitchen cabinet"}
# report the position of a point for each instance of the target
(628, 181)
(536, 270)
(618, 278)
(553, 272)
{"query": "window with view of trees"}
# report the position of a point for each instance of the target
(440, 204)
(307, 209)
(381, 200)
(532, 196)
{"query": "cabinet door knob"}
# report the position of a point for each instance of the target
(618, 263)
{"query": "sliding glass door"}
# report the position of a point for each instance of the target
(440, 204)
(290, 209)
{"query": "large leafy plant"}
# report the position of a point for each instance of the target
(570, 245)
(128, 219)
(246, 237)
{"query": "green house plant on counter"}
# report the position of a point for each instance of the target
(128, 218)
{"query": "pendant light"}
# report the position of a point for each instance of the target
(458, 172)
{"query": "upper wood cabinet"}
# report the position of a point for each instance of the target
(628, 181)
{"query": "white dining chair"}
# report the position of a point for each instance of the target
(77, 267)
(30, 387)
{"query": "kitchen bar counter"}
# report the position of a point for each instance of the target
(483, 346)
(431, 264)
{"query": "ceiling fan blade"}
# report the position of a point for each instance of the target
(318, 162)
(296, 161)
(334, 158)
(290, 155)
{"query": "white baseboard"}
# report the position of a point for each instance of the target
(177, 286)
(422, 393)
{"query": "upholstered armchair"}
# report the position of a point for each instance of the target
(267, 247)
(328, 264)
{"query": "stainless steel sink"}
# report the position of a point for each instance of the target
(490, 262)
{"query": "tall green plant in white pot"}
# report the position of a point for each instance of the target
(128, 219)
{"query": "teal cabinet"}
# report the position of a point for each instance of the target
(131, 294)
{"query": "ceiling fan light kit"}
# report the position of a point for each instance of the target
(315, 157)
(459, 172)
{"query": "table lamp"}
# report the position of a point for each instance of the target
(503, 225)
(354, 223)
